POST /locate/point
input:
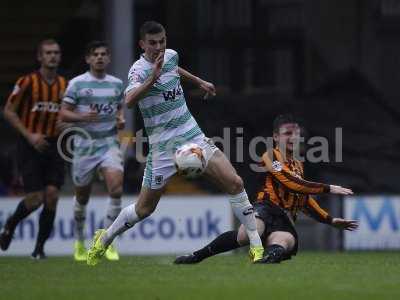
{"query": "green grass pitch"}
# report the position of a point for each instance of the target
(310, 275)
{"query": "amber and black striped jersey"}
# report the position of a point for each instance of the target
(37, 102)
(285, 186)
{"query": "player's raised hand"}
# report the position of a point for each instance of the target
(336, 189)
(61, 126)
(38, 141)
(90, 116)
(343, 224)
(209, 88)
(120, 122)
(158, 63)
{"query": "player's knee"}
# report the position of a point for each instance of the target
(290, 241)
(116, 191)
(82, 195)
(51, 194)
(236, 185)
(82, 198)
(51, 203)
(34, 200)
(51, 197)
(285, 239)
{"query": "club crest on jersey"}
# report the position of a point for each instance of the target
(88, 92)
(133, 76)
(276, 166)
(158, 179)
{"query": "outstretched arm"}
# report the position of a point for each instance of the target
(285, 176)
(313, 210)
(343, 224)
(206, 86)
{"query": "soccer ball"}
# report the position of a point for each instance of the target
(189, 160)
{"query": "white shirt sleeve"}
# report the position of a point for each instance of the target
(70, 95)
(136, 77)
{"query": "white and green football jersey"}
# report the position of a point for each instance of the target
(103, 96)
(167, 119)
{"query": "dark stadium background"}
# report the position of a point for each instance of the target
(332, 65)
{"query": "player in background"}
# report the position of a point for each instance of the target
(92, 102)
(154, 84)
(32, 109)
(284, 194)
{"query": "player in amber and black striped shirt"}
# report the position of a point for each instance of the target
(32, 109)
(36, 102)
(285, 192)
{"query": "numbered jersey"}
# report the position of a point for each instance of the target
(103, 96)
(167, 120)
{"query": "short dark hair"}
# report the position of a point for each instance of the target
(45, 42)
(93, 45)
(150, 27)
(283, 119)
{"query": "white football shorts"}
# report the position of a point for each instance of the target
(160, 166)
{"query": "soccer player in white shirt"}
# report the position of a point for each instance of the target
(154, 84)
(92, 102)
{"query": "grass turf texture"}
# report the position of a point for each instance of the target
(368, 275)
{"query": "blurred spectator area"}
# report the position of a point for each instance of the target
(334, 65)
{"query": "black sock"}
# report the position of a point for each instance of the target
(276, 252)
(20, 213)
(224, 242)
(46, 222)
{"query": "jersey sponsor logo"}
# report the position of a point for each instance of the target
(276, 166)
(173, 94)
(102, 108)
(46, 106)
